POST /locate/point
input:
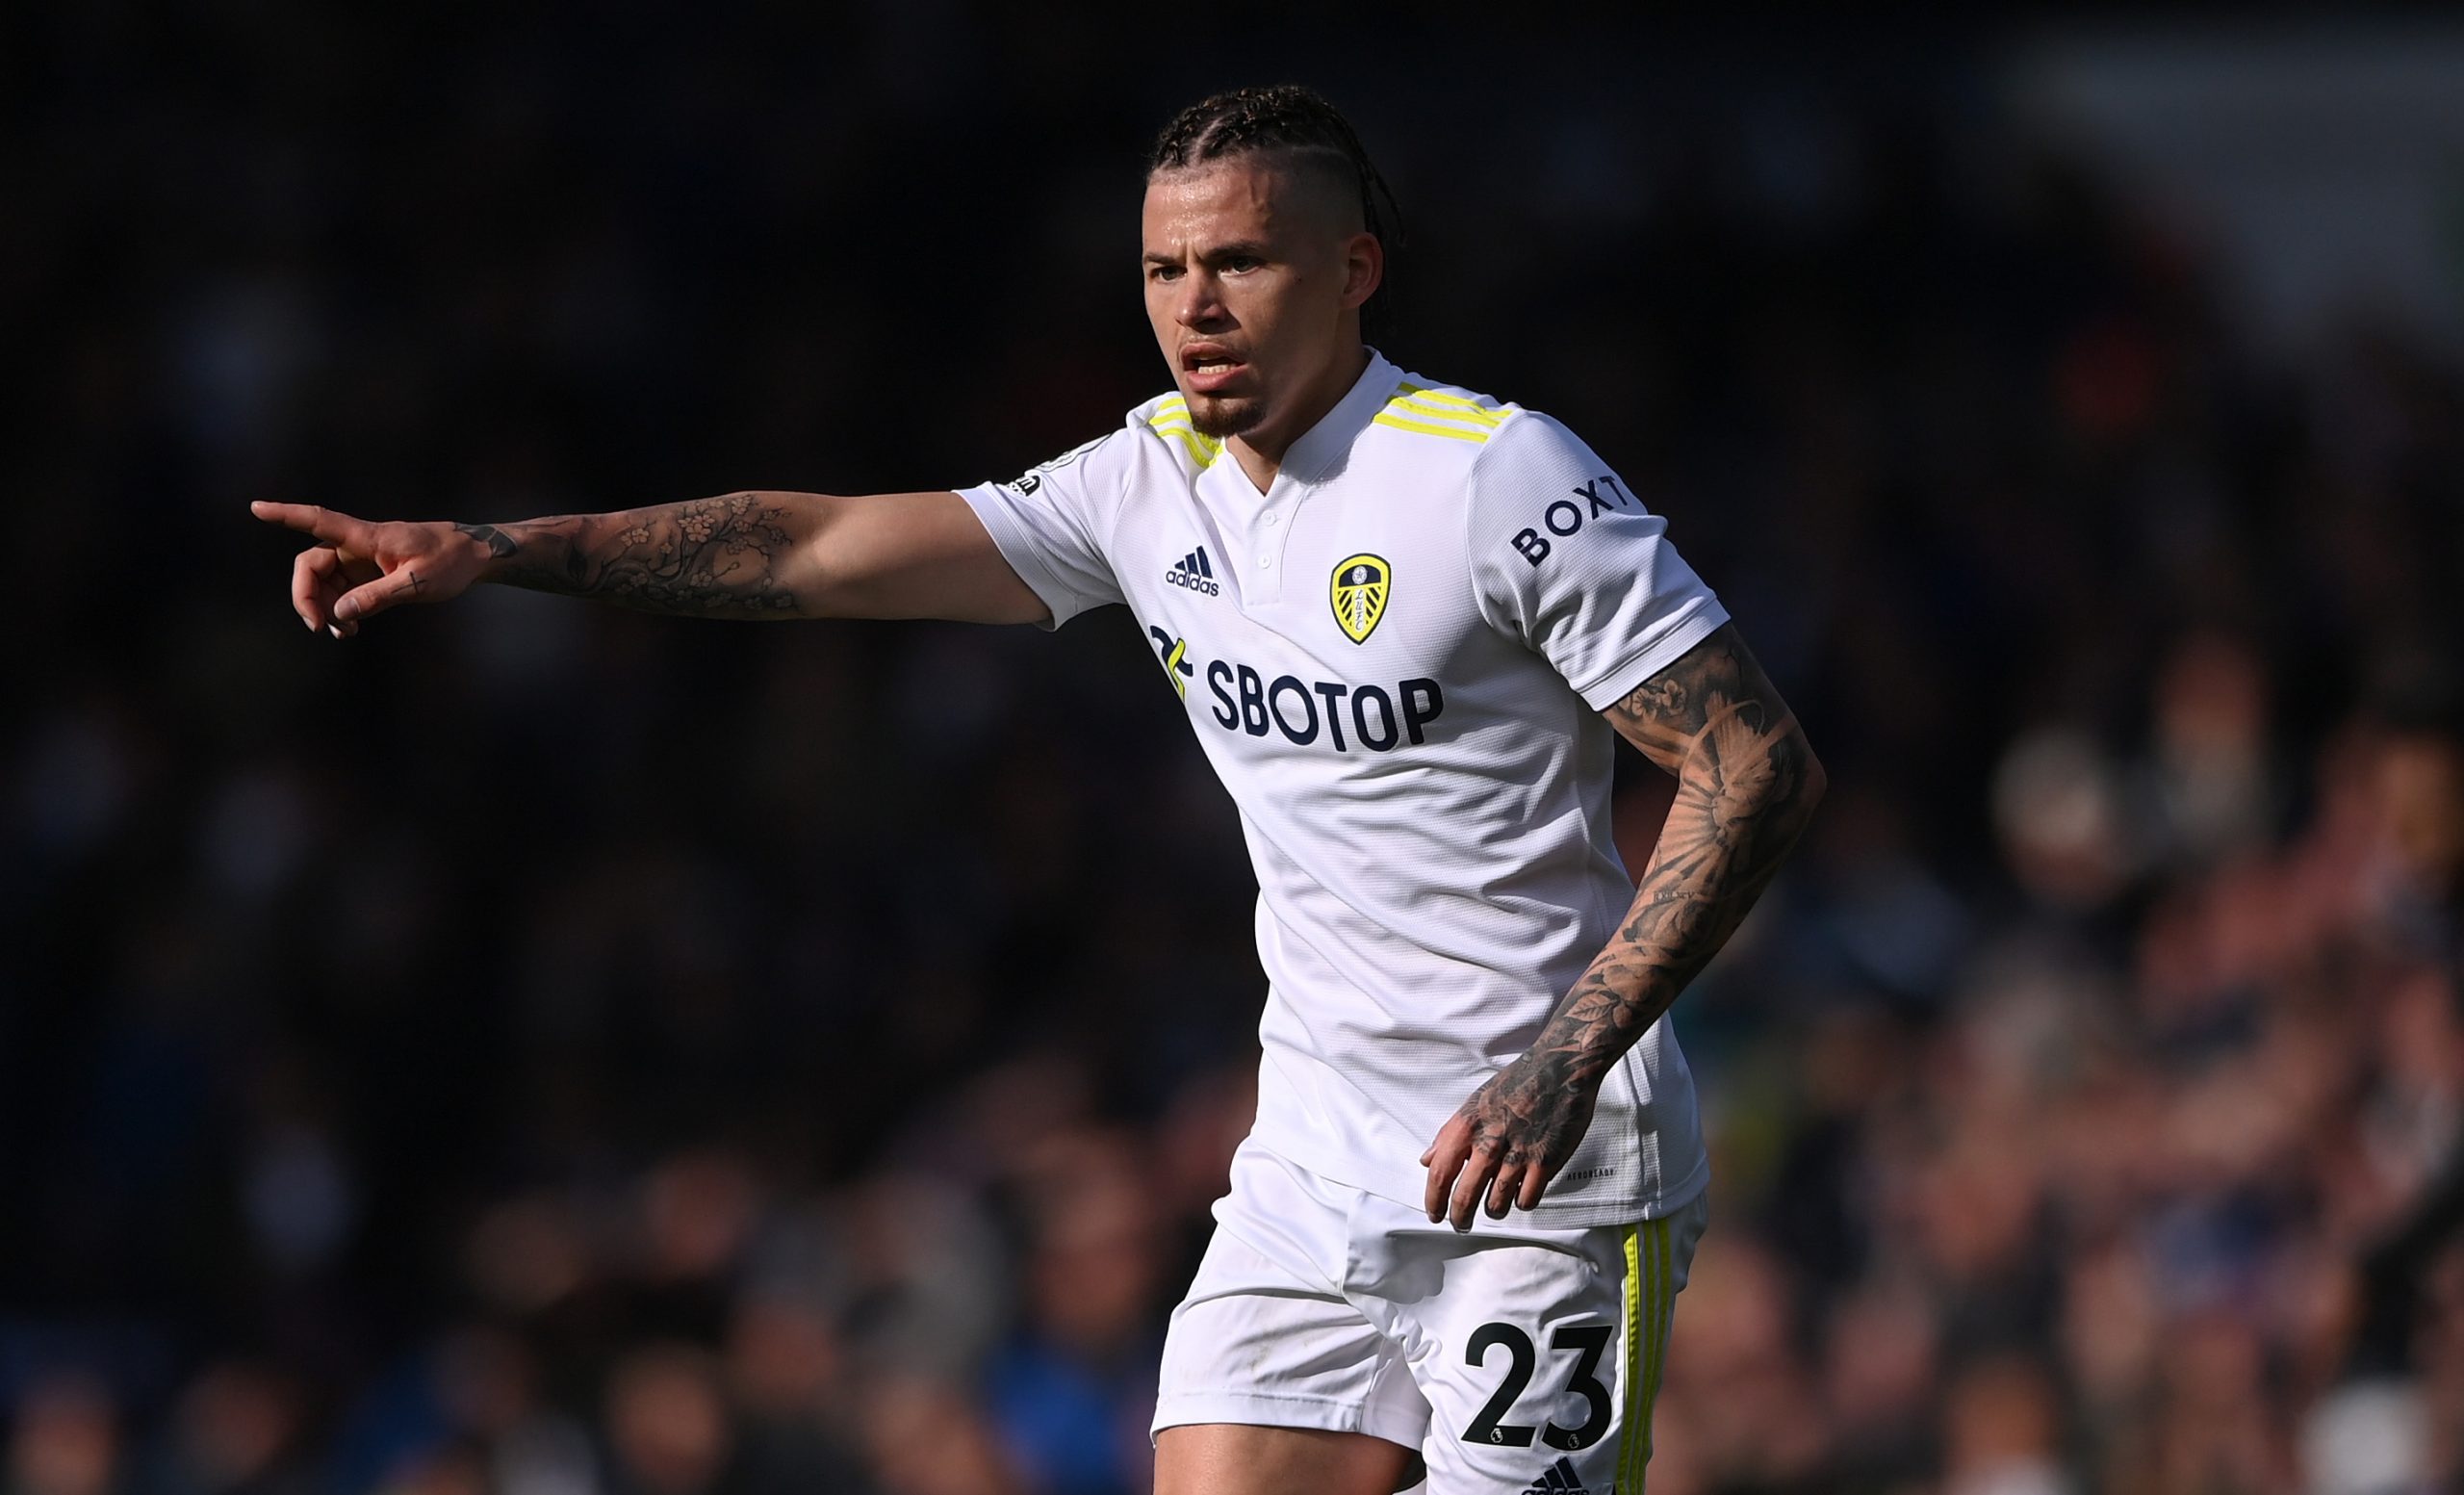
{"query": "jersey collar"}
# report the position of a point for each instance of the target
(1323, 446)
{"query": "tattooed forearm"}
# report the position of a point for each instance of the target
(1746, 785)
(499, 543)
(716, 557)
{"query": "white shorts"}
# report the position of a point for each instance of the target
(1512, 1359)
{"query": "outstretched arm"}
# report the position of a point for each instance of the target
(1746, 785)
(750, 555)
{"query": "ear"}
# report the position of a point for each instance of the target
(1364, 269)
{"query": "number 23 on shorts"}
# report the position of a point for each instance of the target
(1586, 1341)
(1580, 1386)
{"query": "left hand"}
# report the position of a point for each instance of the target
(1509, 1140)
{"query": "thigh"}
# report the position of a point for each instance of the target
(1229, 1458)
(1267, 1338)
(1260, 1343)
(1538, 1353)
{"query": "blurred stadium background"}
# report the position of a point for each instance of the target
(537, 1050)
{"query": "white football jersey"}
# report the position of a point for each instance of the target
(1395, 659)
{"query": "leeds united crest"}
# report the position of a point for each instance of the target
(1360, 589)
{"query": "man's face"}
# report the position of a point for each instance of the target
(1256, 273)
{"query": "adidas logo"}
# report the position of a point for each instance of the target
(1192, 573)
(1559, 1480)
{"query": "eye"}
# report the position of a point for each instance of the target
(1162, 273)
(1241, 261)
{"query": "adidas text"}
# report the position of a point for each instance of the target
(1192, 573)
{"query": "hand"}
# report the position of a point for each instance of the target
(359, 569)
(1508, 1139)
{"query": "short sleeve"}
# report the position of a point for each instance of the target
(1566, 558)
(1050, 524)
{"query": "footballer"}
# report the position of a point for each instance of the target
(1407, 622)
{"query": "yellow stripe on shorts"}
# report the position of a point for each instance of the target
(1633, 1360)
(1650, 1292)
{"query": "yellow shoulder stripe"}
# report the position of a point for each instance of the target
(1417, 407)
(1428, 428)
(1487, 418)
(1171, 419)
(1409, 389)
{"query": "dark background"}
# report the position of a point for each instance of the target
(536, 1050)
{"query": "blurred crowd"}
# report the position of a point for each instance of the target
(538, 1050)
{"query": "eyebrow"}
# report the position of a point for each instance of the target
(1255, 249)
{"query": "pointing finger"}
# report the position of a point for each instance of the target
(335, 529)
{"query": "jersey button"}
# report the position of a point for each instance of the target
(1264, 561)
(1270, 519)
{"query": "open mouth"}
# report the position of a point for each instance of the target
(1210, 366)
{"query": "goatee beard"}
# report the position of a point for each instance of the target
(1217, 419)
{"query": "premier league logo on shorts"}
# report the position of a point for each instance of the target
(1360, 589)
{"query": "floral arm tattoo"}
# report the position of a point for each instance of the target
(1746, 785)
(706, 558)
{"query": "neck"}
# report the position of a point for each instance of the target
(1260, 452)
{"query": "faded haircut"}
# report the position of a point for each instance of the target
(1291, 123)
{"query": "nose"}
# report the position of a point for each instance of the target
(1200, 303)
